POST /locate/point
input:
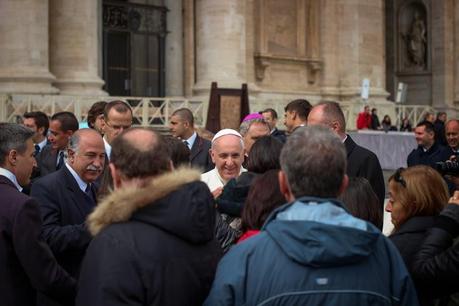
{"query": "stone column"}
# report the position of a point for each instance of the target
(442, 54)
(357, 31)
(24, 47)
(174, 49)
(329, 44)
(74, 56)
(220, 44)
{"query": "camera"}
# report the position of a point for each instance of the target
(449, 167)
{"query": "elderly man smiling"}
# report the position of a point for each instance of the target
(227, 153)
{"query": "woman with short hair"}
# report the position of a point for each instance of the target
(416, 196)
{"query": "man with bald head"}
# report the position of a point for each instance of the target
(227, 153)
(360, 161)
(452, 135)
(67, 196)
(154, 235)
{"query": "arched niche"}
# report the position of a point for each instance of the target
(413, 37)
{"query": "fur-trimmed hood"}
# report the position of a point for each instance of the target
(176, 202)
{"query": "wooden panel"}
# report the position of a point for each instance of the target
(230, 110)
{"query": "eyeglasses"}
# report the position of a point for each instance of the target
(398, 177)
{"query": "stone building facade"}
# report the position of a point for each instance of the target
(313, 49)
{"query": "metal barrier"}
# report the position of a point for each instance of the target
(147, 111)
(155, 111)
(414, 113)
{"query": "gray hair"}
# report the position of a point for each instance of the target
(314, 161)
(245, 125)
(74, 142)
(13, 137)
(75, 139)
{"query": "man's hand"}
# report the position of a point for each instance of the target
(455, 198)
(217, 192)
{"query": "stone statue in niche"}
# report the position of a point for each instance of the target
(416, 40)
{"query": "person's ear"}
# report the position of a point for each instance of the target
(116, 176)
(71, 155)
(12, 157)
(285, 187)
(41, 130)
(344, 184)
(211, 153)
(69, 134)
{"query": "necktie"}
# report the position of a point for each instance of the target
(37, 150)
(88, 192)
(186, 143)
(60, 161)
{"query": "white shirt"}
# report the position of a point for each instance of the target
(42, 144)
(108, 148)
(191, 140)
(213, 179)
(59, 156)
(82, 184)
(9, 175)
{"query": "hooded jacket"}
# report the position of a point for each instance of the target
(312, 252)
(152, 246)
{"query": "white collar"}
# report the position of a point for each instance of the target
(344, 139)
(191, 140)
(9, 175)
(82, 184)
(108, 148)
(222, 180)
(42, 144)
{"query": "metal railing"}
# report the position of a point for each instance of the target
(147, 111)
(155, 111)
(414, 113)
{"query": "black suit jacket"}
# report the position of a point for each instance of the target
(46, 160)
(64, 208)
(362, 162)
(26, 262)
(199, 156)
(279, 135)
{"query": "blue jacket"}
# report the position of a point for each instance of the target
(312, 252)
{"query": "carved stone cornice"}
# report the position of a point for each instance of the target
(262, 61)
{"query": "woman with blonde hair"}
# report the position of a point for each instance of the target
(416, 196)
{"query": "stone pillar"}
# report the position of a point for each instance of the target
(442, 54)
(24, 47)
(74, 55)
(220, 44)
(329, 44)
(174, 49)
(358, 33)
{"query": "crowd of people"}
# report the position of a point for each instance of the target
(120, 215)
(367, 120)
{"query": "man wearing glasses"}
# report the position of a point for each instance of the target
(117, 117)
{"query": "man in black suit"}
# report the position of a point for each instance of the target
(68, 195)
(429, 151)
(270, 116)
(26, 262)
(182, 126)
(452, 135)
(296, 114)
(61, 128)
(361, 162)
(39, 123)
